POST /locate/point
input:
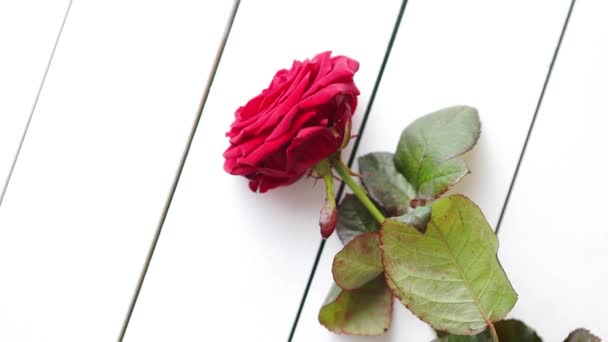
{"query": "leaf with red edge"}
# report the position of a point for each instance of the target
(428, 150)
(365, 311)
(358, 262)
(449, 276)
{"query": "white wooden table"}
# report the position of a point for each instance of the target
(117, 221)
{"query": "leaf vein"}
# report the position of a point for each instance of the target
(451, 280)
(481, 310)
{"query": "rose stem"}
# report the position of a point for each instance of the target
(493, 331)
(344, 173)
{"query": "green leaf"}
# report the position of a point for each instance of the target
(354, 219)
(428, 149)
(365, 311)
(417, 217)
(482, 337)
(448, 276)
(358, 262)
(385, 184)
(510, 330)
(582, 335)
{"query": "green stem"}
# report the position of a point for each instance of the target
(329, 190)
(344, 173)
(493, 331)
(323, 169)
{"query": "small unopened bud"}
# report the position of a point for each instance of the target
(328, 218)
(329, 212)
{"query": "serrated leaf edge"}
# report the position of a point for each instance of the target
(333, 264)
(456, 156)
(390, 282)
(390, 316)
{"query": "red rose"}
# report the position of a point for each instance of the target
(303, 117)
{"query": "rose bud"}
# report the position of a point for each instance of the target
(303, 117)
(329, 213)
(328, 219)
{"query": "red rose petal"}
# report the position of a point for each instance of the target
(324, 66)
(299, 119)
(342, 73)
(271, 146)
(310, 146)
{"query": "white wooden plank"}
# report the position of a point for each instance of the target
(553, 237)
(231, 265)
(28, 32)
(447, 53)
(98, 163)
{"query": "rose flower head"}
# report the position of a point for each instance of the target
(303, 117)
